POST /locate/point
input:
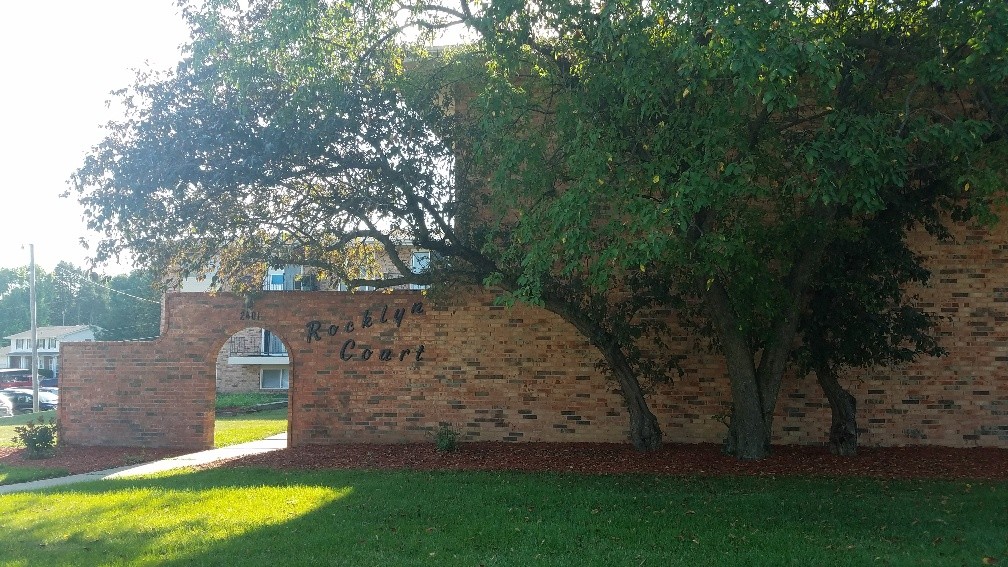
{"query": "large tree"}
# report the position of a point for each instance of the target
(600, 160)
(736, 149)
(298, 133)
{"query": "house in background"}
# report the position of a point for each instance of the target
(49, 341)
(255, 360)
(4, 354)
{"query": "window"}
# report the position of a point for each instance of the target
(419, 263)
(274, 280)
(306, 282)
(52, 344)
(274, 379)
(272, 345)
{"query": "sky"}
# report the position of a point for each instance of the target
(61, 59)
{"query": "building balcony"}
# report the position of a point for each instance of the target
(268, 352)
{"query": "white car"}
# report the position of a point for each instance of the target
(22, 399)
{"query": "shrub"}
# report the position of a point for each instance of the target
(39, 438)
(446, 439)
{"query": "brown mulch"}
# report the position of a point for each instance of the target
(672, 459)
(588, 458)
(77, 460)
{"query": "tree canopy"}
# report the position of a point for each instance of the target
(601, 160)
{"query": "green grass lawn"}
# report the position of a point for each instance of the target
(246, 399)
(249, 427)
(15, 475)
(262, 517)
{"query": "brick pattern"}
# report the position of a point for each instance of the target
(139, 394)
(520, 374)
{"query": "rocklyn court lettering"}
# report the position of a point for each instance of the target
(315, 330)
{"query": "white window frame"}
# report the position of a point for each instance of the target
(419, 262)
(284, 378)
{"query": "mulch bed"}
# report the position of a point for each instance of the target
(77, 460)
(586, 458)
(671, 459)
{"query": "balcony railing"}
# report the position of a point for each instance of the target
(244, 346)
(300, 283)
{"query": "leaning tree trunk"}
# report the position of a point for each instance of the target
(645, 434)
(843, 438)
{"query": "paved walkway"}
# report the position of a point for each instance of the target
(203, 457)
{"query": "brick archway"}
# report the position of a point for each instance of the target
(378, 367)
(256, 359)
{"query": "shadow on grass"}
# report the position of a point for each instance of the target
(16, 475)
(257, 517)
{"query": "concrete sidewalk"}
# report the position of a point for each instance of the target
(201, 458)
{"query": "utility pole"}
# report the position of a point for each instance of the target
(34, 329)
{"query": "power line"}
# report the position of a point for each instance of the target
(79, 278)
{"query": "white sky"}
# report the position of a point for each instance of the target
(60, 61)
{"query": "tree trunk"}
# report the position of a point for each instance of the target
(645, 434)
(843, 430)
(748, 435)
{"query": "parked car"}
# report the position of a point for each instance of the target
(21, 400)
(15, 378)
(6, 407)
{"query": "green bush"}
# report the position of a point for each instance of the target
(39, 438)
(446, 439)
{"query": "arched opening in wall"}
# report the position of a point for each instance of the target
(253, 379)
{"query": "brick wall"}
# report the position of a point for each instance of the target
(136, 394)
(520, 374)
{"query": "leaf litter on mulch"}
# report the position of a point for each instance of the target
(617, 458)
(980, 463)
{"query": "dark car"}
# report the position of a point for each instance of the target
(21, 400)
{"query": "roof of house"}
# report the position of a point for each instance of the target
(57, 332)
